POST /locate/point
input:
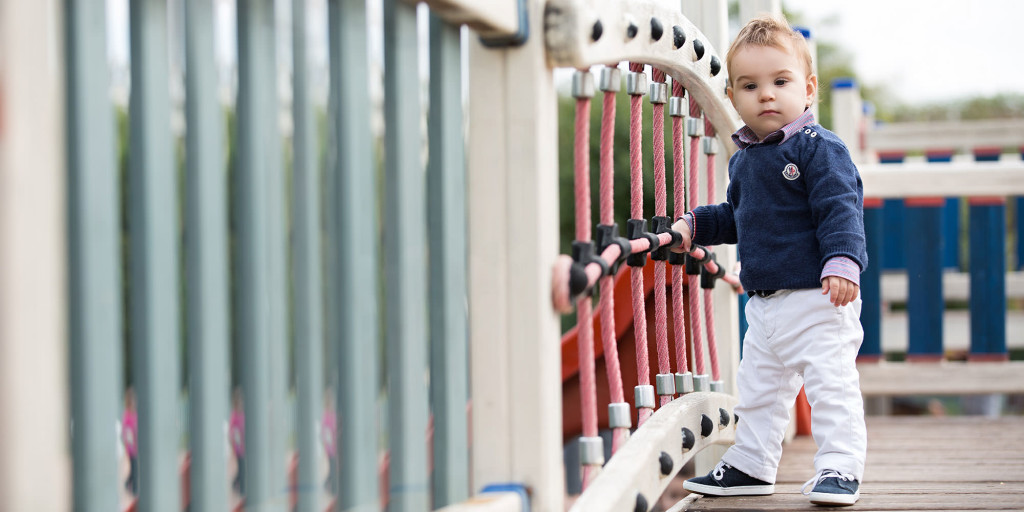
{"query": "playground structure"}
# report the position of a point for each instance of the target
(62, 301)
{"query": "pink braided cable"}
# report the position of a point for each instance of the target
(636, 177)
(678, 208)
(694, 282)
(636, 186)
(581, 159)
(607, 158)
(607, 306)
(709, 305)
(660, 202)
(585, 343)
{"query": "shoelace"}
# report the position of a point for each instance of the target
(719, 471)
(825, 473)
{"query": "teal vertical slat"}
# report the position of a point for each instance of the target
(154, 231)
(206, 241)
(94, 260)
(261, 299)
(446, 218)
(308, 322)
(405, 262)
(355, 265)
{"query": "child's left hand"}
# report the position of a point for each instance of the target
(843, 290)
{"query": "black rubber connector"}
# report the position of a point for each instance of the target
(706, 425)
(606, 235)
(665, 463)
(577, 280)
(635, 230)
(631, 30)
(723, 416)
(688, 439)
(707, 279)
(659, 225)
(698, 48)
(716, 66)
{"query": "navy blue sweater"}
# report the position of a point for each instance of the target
(790, 207)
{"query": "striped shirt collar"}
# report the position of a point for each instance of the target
(745, 137)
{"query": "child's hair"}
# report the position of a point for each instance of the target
(769, 30)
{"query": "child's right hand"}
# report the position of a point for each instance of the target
(684, 229)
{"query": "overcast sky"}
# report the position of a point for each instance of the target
(927, 50)
(923, 50)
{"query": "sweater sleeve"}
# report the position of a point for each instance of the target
(836, 198)
(714, 224)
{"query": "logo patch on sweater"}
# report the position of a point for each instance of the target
(791, 172)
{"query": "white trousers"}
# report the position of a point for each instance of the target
(798, 337)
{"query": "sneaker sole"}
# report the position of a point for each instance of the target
(745, 490)
(828, 498)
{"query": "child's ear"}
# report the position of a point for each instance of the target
(728, 92)
(812, 88)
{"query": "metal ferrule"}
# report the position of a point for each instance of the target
(717, 386)
(610, 79)
(678, 106)
(636, 84)
(684, 383)
(582, 84)
(666, 384)
(695, 127)
(702, 383)
(644, 396)
(618, 415)
(710, 145)
(591, 451)
(659, 93)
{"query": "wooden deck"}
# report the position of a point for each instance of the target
(914, 463)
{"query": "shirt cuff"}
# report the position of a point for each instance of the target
(688, 217)
(843, 267)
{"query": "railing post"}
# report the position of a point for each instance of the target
(208, 291)
(893, 222)
(871, 282)
(154, 231)
(513, 243)
(988, 271)
(925, 302)
(354, 267)
(261, 298)
(307, 324)
(34, 221)
(405, 254)
(446, 216)
(950, 215)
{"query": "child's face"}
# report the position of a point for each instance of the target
(770, 88)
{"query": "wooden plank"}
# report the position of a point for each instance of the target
(493, 19)
(954, 179)
(941, 378)
(869, 500)
(962, 136)
(925, 476)
(955, 285)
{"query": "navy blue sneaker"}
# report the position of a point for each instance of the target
(833, 488)
(726, 480)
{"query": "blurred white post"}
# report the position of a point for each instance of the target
(847, 110)
(34, 441)
(750, 9)
(512, 178)
(712, 18)
(812, 47)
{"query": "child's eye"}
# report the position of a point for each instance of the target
(779, 82)
(750, 86)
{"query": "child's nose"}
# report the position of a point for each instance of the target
(767, 94)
